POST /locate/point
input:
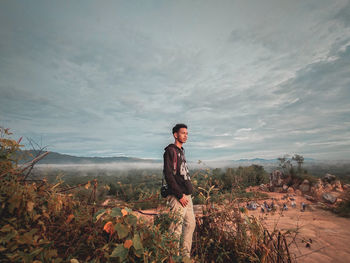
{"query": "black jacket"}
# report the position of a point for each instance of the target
(179, 181)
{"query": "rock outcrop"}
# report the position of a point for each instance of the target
(329, 198)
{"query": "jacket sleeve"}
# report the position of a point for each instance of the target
(168, 173)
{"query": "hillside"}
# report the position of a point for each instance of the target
(58, 158)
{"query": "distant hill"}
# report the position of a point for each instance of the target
(260, 160)
(58, 158)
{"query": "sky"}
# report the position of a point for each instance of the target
(251, 79)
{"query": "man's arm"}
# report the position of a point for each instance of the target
(169, 175)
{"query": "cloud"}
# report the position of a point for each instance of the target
(249, 78)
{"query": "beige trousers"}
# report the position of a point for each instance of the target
(185, 227)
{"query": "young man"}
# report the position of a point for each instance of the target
(180, 188)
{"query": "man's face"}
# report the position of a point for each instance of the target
(181, 135)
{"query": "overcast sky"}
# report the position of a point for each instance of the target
(111, 78)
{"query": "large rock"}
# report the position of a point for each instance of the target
(305, 186)
(278, 189)
(318, 184)
(317, 192)
(310, 198)
(263, 187)
(328, 187)
(337, 186)
(298, 192)
(276, 178)
(329, 198)
(290, 190)
(329, 178)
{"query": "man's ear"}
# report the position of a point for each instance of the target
(175, 135)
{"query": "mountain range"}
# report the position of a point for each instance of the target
(58, 158)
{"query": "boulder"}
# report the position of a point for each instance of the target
(290, 190)
(310, 198)
(276, 178)
(263, 188)
(278, 189)
(318, 184)
(329, 198)
(305, 186)
(298, 192)
(328, 187)
(317, 192)
(337, 186)
(329, 178)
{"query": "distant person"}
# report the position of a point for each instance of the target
(180, 188)
(303, 206)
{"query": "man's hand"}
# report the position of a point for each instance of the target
(183, 201)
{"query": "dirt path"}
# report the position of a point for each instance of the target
(330, 234)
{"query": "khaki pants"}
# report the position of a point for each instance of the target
(185, 227)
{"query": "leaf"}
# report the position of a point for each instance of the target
(99, 214)
(124, 212)
(69, 218)
(186, 260)
(131, 219)
(116, 211)
(122, 230)
(120, 251)
(36, 252)
(128, 210)
(108, 227)
(6, 228)
(30, 206)
(137, 242)
(128, 243)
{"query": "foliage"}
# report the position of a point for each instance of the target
(40, 222)
(224, 234)
(220, 186)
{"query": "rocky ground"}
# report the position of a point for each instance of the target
(322, 236)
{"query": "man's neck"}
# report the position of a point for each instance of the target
(178, 144)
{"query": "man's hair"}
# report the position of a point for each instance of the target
(178, 126)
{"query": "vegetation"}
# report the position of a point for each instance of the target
(40, 222)
(44, 218)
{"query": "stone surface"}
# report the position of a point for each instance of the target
(263, 187)
(329, 178)
(278, 189)
(298, 192)
(305, 186)
(337, 186)
(310, 198)
(318, 184)
(290, 190)
(328, 187)
(276, 178)
(329, 198)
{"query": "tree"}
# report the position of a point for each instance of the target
(300, 160)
